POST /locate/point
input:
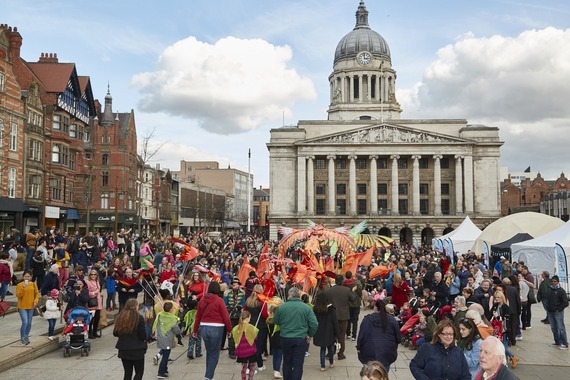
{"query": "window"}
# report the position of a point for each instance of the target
(34, 186)
(403, 206)
(12, 182)
(55, 152)
(72, 160)
(87, 135)
(361, 206)
(2, 82)
(55, 187)
(403, 189)
(14, 137)
(341, 206)
(35, 149)
(65, 124)
(105, 159)
(105, 139)
(445, 206)
(382, 163)
(424, 163)
(444, 163)
(321, 189)
(382, 189)
(402, 163)
(105, 201)
(73, 131)
(361, 189)
(341, 189)
(56, 123)
(445, 189)
(382, 206)
(361, 163)
(320, 207)
(320, 164)
(1, 133)
(105, 178)
(424, 206)
(80, 133)
(424, 189)
(340, 163)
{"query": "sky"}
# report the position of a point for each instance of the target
(210, 79)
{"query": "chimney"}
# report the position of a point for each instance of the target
(48, 58)
(15, 42)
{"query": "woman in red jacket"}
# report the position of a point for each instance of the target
(195, 285)
(400, 291)
(213, 320)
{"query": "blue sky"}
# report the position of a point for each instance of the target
(211, 78)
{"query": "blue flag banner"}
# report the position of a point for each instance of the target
(561, 263)
(486, 253)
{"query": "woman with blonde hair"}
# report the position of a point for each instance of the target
(129, 327)
(373, 370)
(500, 322)
(259, 315)
(400, 291)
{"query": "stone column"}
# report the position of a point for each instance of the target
(378, 78)
(458, 185)
(395, 158)
(437, 184)
(373, 185)
(369, 96)
(360, 88)
(331, 186)
(301, 185)
(468, 175)
(416, 185)
(352, 184)
(310, 185)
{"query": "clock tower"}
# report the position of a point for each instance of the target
(362, 84)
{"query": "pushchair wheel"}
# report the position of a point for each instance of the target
(82, 352)
(66, 353)
(86, 351)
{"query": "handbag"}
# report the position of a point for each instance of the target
(93, 302)
(4, 307)
(531, 297)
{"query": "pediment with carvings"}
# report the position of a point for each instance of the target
(384, 134)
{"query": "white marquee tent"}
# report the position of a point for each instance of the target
(462, 238)
(532, 223)
(539, 254)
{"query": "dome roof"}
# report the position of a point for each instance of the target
(361, 38)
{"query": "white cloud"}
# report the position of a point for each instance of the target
(519, 84)
(232, 86)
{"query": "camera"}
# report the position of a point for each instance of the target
(76, 287)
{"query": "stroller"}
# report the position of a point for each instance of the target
(76, 331)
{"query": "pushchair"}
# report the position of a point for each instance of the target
(76, 331)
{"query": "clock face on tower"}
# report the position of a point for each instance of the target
(364, 58)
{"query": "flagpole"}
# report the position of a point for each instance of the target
(249, 191)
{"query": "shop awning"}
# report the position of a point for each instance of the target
(72, 213)
(11, 204)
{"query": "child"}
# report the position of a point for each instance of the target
(275, 342)
(111, 285)
(165, 327)
(53, 311)
(405, 312)
(420, 329)
(373, 370)
(246, 351)
(189, 320)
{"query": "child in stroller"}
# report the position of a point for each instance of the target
(76, 331)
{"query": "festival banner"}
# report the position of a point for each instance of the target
(561, 263)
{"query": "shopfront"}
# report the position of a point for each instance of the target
(11, 211)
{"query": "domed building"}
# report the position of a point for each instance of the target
(411, 179)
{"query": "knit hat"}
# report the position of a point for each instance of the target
(555, 278)
(54, 293)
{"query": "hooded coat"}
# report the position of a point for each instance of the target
(376, 342)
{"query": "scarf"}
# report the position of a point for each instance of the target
(167, 322)
(248, 329)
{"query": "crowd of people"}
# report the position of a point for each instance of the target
(460, 314)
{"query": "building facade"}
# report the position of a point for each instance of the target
(412, 179)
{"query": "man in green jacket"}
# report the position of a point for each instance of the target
(297, 324)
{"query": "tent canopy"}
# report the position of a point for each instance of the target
(462, 238)
(504, 228)
(539, 254)
(504, 248)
